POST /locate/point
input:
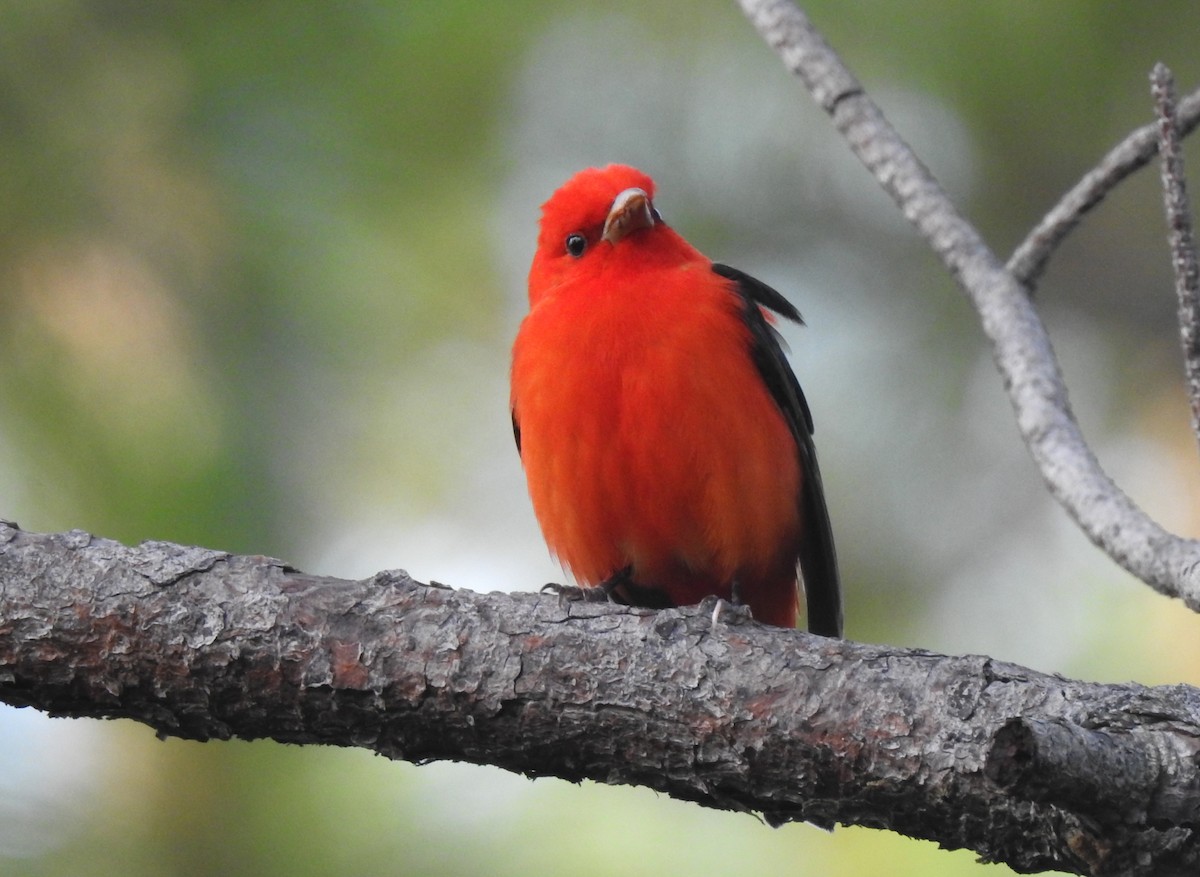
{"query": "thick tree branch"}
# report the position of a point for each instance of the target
(1020, 344)
(1179, 228)
(1034, 770)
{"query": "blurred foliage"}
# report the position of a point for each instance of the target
(260, 264)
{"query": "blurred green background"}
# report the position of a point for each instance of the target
(260, 267)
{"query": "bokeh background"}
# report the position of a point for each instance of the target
(260, 267)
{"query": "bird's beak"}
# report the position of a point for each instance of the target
(630, 211)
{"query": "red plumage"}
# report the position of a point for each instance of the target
(660, 427)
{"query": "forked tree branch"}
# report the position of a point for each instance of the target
(1179, 231)
(1134, 152)
(1020, 344)
(1025, 768)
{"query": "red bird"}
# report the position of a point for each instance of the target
(666, 442)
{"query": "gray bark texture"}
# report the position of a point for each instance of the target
(1033, 770)
(1180, 234)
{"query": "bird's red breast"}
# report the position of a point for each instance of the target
(650, 437)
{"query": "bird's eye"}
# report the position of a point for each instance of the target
(576, 243)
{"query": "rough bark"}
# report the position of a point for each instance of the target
(1180, 235)
(1033, 770)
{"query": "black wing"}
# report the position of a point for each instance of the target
(818, 560)
(516, 431)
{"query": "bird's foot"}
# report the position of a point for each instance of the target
(734, 606)
(617, 588)
(575, 594)
(611, 590)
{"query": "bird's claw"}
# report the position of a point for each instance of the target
(735, 612)
(575, 594)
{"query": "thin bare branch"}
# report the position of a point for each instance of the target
(1179, 227)
(1134, 152)
(1020, 344)
(1022, 767)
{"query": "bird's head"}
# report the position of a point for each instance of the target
(602, 219)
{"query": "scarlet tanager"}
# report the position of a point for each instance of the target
(666, 442)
